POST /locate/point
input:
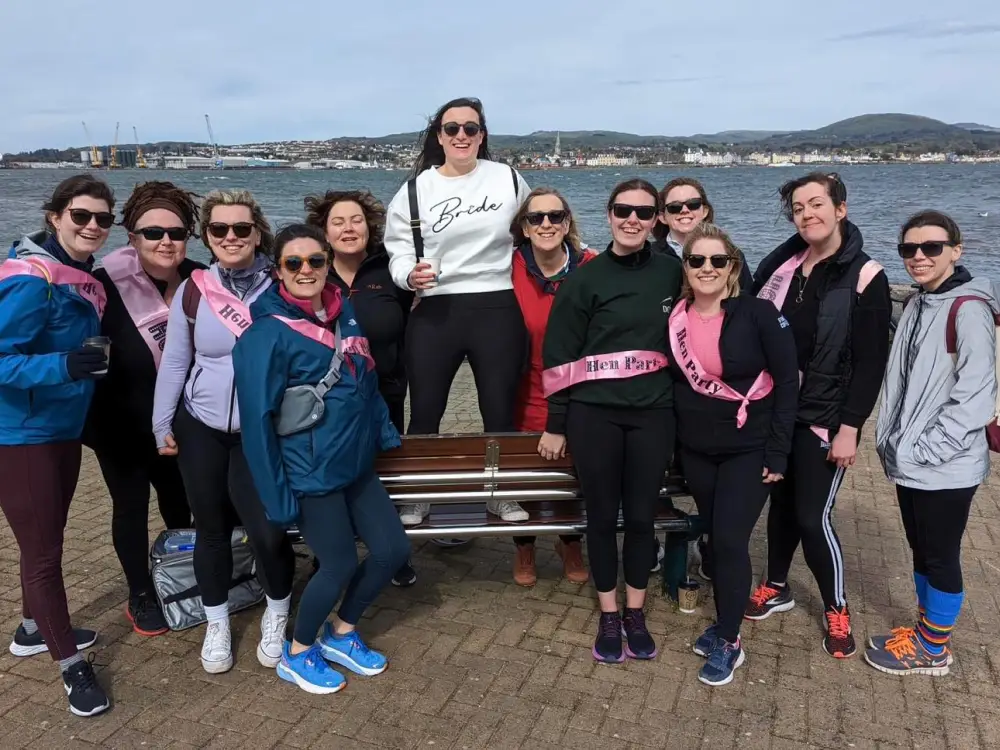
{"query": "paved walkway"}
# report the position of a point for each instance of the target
(477, 662)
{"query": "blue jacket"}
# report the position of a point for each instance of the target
(270, 357)
(39, 325)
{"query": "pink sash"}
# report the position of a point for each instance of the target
(350, 344)
(612, 366)
(56, 273)
(145, 305)
(700, 380)
(229, 310)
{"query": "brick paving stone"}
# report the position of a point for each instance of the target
(477, 662)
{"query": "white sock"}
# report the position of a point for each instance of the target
(218, 613)
(279, 606)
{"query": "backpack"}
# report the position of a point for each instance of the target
(418, 238)
(189, 304)
(951, 341)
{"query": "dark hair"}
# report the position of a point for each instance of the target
(299, 232)
(157, 194)
(835, 188)
(432, 152)
(636, 184)
(660, 230)
(74, 187)
(517, 225)
(318, 211)
(933, 219)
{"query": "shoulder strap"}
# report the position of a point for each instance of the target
(190, 301)
(333, 373)
(517, 185)
(418, 238)
(951, 327)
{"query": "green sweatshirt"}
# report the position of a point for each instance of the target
(613, 304)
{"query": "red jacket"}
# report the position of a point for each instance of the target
(535, 295)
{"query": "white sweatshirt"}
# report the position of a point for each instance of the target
(465, 221)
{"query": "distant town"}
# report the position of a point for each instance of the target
(862, 140)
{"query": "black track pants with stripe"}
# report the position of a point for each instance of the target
(802, 510)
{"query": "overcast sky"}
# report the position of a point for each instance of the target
(319, 69)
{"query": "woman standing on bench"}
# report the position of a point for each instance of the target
(457, 257)
(735, 387)
(547, 250)
(314, 420)
(610, 395)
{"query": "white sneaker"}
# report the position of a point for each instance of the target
(412, 515)
(508, 510)
(272, 638)
(217, 650)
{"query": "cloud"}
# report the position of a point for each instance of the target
(658, 81)
(920, 30)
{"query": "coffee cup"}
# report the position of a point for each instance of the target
(435, 268)
(104, 344)
(687, 596)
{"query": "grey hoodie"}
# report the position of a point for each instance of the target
(209, 386)
(930, 433)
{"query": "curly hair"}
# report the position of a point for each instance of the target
(318, 209)
(708, 231)
(517, 225)
(237, 198)
(158, 194)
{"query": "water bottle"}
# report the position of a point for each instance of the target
(182, 541)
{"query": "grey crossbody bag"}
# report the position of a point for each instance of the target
(302, 405)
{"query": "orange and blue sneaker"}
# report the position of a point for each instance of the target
(905, 654)
(879, 642)
(839, 641)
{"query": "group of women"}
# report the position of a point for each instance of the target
(257, 392)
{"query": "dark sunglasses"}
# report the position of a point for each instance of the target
(293, 263)
(623, 211)
(155, 234)
(697, 261)
(930, 249)
(81, 217)
(675, 207)
(451, 129)
(535, 218)
(241, 229)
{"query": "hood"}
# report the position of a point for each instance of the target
(31, 246)
(962, 283)
(526, 258)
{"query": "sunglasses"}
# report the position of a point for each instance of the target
(155, 234)
(697, 261)
(623, 211)
(535, 218)
(451, 129)
(930, 249)
(675, 207)
(241, 229)
(81, 217)
(293, 263)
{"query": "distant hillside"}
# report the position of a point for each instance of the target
(736, 136)
(886, 130)
(976, 126)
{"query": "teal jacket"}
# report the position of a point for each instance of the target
(340, 449)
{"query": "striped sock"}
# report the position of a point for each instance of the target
(938, 620)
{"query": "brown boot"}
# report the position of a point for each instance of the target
(524, 565)
(572, 557)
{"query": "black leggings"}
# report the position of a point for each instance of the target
(730, 496)
(621, 456)
(221, 492)
(802, 509)
(486, 327)
(934, 521)
(129, 471)
(564, 538)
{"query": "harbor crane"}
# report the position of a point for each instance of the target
(113, 161)
(211, 140)
(95, 155)
(140, 159)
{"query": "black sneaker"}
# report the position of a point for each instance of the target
(30, 645)
(608, 646)
(768, 599)
(144, 612)
(405, 576)
(86, 697)
(639, 643)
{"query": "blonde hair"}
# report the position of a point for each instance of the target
(237, 198)
(708, 231)
(517, 225)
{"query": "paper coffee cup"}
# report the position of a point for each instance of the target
(104, 344)
(435, 268)
(687, 596)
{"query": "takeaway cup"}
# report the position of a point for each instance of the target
(435, 268)
(687, 596)
(104, 344)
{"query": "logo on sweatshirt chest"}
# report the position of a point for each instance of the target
(453, 208)
(667, 304)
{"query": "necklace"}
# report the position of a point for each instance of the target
(802, 281)
(706, 319)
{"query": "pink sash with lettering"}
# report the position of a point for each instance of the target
(229, 310)
(700, 380)
(56, 273)
(612, 366)
(350, 344)
(145, 305)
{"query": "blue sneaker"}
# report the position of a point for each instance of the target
(351, 652)
(309, 671)
(722, 662)
(706, 641)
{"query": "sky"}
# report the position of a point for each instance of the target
(319, 69)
